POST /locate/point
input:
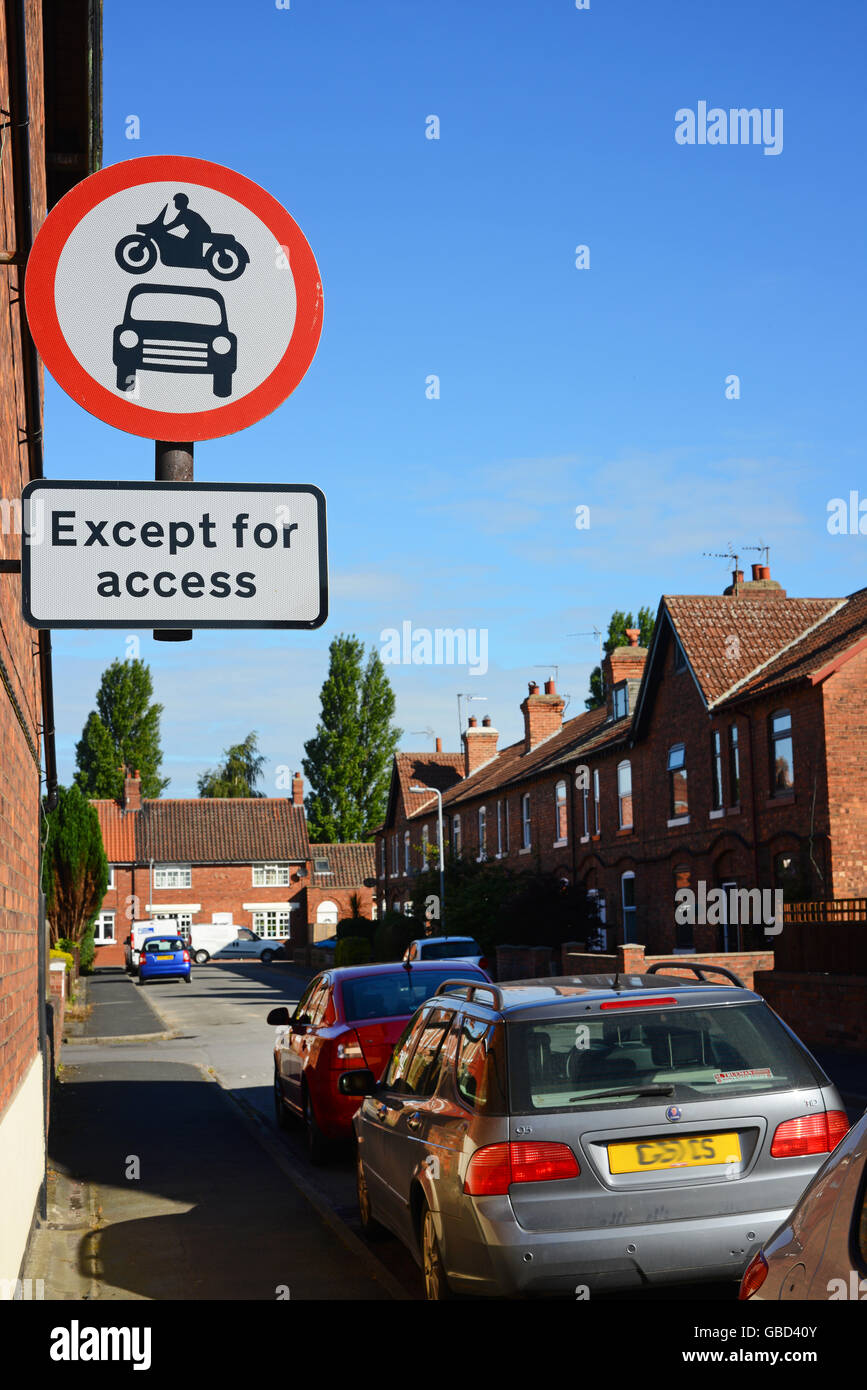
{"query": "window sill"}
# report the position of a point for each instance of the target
(597, 836)
(525, 850)
(716, 815)
(678, 820)
(784, 799)
(585, 840)
(626, 830)
(558, 844)
(734, 810)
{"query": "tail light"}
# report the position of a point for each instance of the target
(495, 1167)
(755, 1275)
(348, 1053)
(485, 964)
(639, 1003)
(187, 956)
(809, 1134)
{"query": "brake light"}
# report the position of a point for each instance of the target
(495, 1167)
(809, 1134)
(485, 964)
(349, 1052)
(186, 956)
(637, 1003)
(755, 1275)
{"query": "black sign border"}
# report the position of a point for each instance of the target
(189, 624)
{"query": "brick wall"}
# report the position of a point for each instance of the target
(632, 960)
(845, 720)
(19, 685)
(824, 1010)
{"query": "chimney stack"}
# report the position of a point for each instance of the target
(132, 791)
(439, 748)
(480, 744)
(760, 586)
(543, 714)
(297, 789)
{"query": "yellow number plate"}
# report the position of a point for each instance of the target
(165, 957)
(686, 1151)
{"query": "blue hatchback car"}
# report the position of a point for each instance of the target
(164, 958)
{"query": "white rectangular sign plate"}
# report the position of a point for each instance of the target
(173, 555)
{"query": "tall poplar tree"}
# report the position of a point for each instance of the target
(74, 867)
(121, 735)
(348, 760)
(617, 638)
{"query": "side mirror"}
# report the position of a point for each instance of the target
(279, 1017)
(357, 1083)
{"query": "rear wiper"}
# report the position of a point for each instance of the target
(659, 1088)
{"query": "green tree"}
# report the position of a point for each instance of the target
(617, 638)
(74, 870)
(238, 774)
(122, 735)
(348, 760)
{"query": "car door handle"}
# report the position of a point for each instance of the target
(414, 1122)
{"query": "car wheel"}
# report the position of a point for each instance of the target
(266, 957)
(281, 1119)
(317, 1144)
(369, 1225)
(436, 1286)
(222, 383)
(202, 957)
(141, 982)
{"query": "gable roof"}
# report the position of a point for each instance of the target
(349, 864)
(220, 830)
(440, 770)
(118, 831)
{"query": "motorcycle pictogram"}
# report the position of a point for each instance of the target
(225, 257)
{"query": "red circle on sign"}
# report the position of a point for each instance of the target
(115, 410)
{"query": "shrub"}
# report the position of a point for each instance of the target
(355, 926)
(64, 956)
(352, 950)
(87, 950)
(392, 935)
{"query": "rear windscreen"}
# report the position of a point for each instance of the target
(170, 944)
(390, 995)
(725, 1050)
(448, 950)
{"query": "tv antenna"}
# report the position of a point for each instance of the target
(594, 632)
(430, 733)
(549, 667)
(460, 723)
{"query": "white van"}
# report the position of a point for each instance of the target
(139, 933)
(227, 941)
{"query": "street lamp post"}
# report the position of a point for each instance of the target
(438, 794)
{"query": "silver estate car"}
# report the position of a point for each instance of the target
(590, 1133)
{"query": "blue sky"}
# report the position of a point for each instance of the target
(559, 386)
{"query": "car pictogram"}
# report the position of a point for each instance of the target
(175, 328)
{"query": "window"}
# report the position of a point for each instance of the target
(483, 832)
(624, 794)
(734, 767)
(104, 927)
(424, 846)
(382, 857)
(424, 1069)
(183, 919)
(271, 875)
(327, 914)
(394, 859)
(787, 875)
(499, 829)
(395, 1075)
(111, 882)
(678, 801)
(621, 701)
(585, 797)
(716, 770)
(456, 836)
(525, 821)
(597, 809)
(561, 813)
(271, 922)
(507, 827)
(627, 893)
(481, 1073)
(406, 851)
(172, 876)
(321, 866)
(782, 761)
(396, 993)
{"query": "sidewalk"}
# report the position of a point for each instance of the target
(157, 1190)
(117, 1009)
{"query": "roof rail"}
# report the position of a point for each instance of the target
(660, 965)
(472, 987)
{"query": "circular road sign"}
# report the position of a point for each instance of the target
(173, 298)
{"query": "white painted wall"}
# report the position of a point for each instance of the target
(22, 1162)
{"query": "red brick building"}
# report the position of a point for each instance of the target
(195, 857)
(728, 756)
(49, 114)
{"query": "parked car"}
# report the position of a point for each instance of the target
(347, 1017)
(820, 1250)
(610, 1132)
(139, 933)
(164, 958)
(232, 943)
(447, 948)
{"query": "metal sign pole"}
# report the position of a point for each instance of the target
(173, 463)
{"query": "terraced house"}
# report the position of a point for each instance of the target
(192, 859)
(729, 755)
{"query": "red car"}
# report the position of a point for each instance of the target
(347, 1017)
